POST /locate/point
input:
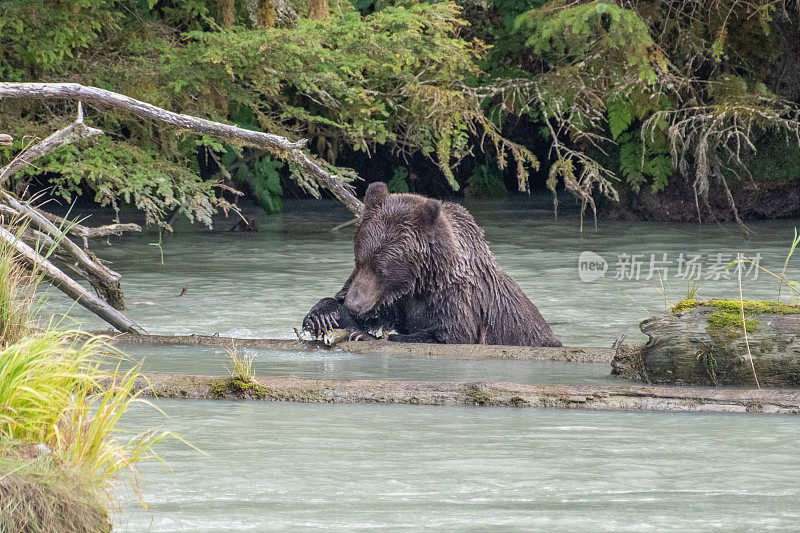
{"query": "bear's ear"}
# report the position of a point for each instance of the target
(376, 194)
(429, 212)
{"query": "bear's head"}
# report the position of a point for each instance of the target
(393, 246)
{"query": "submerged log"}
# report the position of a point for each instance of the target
(488, 394)
(704, 343)
(379, 347)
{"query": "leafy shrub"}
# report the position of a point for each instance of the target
(41, 35)
(399, 181)
(486, 181)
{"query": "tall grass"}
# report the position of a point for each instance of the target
(54, 390)
(64, 389)
(16, 295)
(241, 366)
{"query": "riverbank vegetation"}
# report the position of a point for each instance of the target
(629, 106)
(61, 397)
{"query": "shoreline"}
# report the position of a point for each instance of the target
(483, 394)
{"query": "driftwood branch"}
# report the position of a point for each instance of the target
(280, 146)
(86, 232)
(68, 286)
(104, 280)
(74, 132)
(75, 229)
(94, 95)
(328, 181)
(51, 230)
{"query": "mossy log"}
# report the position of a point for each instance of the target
(483, 394)
(704, 343)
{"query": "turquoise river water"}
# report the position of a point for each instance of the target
(288, 467)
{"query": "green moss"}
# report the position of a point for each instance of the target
(478, 397)
(724, 319)
(725, 323)
(686, 305)
(222, 387)
(518, 401)
(751, 307)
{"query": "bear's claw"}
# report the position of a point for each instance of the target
(358, 335)
(323, 317)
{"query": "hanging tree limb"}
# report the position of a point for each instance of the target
(104, 280)
(94, 95)
(74, 132)
(280, 146)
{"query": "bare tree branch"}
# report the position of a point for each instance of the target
(74, 132)
(104, 280)
(50, 229)
(280, 146)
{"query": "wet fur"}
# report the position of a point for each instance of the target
(440, 283)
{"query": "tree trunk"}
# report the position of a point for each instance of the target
(227, 12)
(265, 15)
(318, 9)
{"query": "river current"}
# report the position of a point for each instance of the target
(272, 467)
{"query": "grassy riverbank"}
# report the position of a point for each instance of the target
(60, 449)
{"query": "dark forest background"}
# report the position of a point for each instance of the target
(666, 110)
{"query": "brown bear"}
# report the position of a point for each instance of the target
(424, 270)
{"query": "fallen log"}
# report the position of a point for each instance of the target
(68, 286)
(377, 347)
(487, 394)
(703, 343)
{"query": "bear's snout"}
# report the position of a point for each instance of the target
(363, 293)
